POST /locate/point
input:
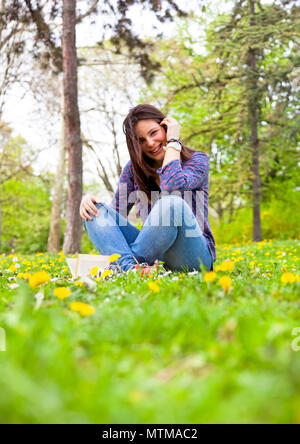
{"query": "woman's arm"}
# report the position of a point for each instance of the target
(173, 132)
(125, 187)
(171, 154)
(191, 175)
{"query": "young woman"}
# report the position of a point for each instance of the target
(169, 184)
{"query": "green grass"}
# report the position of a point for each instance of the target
(191, 353)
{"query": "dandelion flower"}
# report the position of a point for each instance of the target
(94, 271)
(114, 257)
(82, 308)
(154, 287)
(106, 273)
(288, 278)
(79, 284)
(210, 276)
(225, 266)
(39, 278)
(225, 282)
(62, 292)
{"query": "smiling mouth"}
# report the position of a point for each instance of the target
(157, 150)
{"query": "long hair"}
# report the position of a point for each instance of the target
(143, 169)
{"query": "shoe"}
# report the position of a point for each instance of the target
(148, 269)
(116, 270)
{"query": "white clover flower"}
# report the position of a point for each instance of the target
(13, 286)
(39, 299)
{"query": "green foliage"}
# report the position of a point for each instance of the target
(26, 214)
(191, 353)
(280, 214)
(24, 200)
(209, 85)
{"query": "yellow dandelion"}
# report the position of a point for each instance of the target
(114, 257)
(210, 276)
(225, 282)
(39, 278)
(288, 278)
(61, 292)
(82, 308)
(106, 273)
(26, 262)
(94, 271)
(225, 266)
(154, 287)
(12, 268)
(79, 284)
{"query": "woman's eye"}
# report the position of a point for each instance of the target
(154, 132)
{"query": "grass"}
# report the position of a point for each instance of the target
(190, 353)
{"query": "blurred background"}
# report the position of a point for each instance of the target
(229, 72)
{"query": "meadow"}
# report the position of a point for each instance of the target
(191, 347)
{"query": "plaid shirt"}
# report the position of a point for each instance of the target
(188, 179)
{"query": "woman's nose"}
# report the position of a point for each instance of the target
(150, 142)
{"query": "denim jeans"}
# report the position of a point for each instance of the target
(170, 233)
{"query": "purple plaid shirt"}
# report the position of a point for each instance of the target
(188, 179)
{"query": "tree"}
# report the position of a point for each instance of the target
(109, 85)
(237, 97)
(47, 49)
(73, 142)
(57, 199)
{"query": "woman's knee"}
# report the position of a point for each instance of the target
(169, 207)
(102, 208)
(171, 201)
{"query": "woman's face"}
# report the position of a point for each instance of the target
(152, 137)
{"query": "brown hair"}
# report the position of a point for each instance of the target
(143, 169)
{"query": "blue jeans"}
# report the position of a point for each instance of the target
(170, 233)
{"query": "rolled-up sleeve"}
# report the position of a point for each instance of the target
(190, 176)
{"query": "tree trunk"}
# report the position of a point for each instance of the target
(0, 223)
(55, 223)
(72, 239)
(253, 108)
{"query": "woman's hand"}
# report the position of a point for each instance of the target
(173, 127)
(87, 207)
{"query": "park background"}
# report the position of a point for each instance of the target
(230, 73)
